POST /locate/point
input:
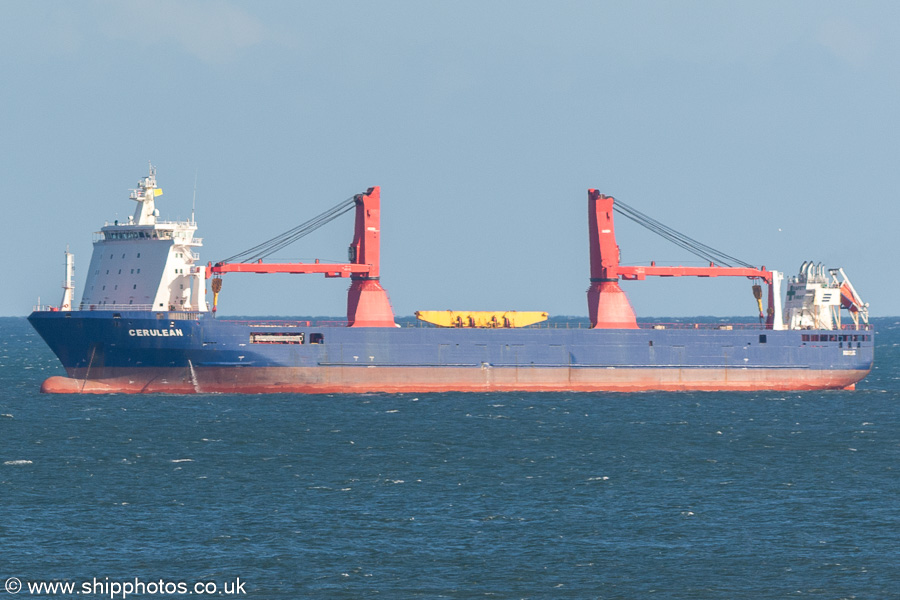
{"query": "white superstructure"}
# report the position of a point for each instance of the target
(815, 298)
(145, 263)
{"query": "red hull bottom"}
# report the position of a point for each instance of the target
(355, 380)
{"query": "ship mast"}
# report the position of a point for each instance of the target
(69, 283)
(145, 195)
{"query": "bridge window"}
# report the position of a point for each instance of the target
(316, 338)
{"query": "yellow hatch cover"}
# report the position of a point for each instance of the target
(480, 318)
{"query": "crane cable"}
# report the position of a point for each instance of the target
(691, 245)
(280, 241)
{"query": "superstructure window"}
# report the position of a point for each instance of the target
(316, 338)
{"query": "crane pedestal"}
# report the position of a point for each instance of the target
(608, 306)
(368, 305)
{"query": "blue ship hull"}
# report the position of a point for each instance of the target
(179, 352)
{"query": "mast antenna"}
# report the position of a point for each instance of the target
(194, 201)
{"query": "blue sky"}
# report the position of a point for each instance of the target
(768, 130)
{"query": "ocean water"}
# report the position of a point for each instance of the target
(668, 495)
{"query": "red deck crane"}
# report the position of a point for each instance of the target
(608, 307)
(367, 302)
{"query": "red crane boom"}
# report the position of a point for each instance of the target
(608, 307)
(367, 302)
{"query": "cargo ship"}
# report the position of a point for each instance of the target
(145, 324)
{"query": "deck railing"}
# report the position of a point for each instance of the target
(116, 307)
(406, 322)
(268, 322)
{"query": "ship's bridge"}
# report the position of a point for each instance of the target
(182, 231)
(145, 263)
